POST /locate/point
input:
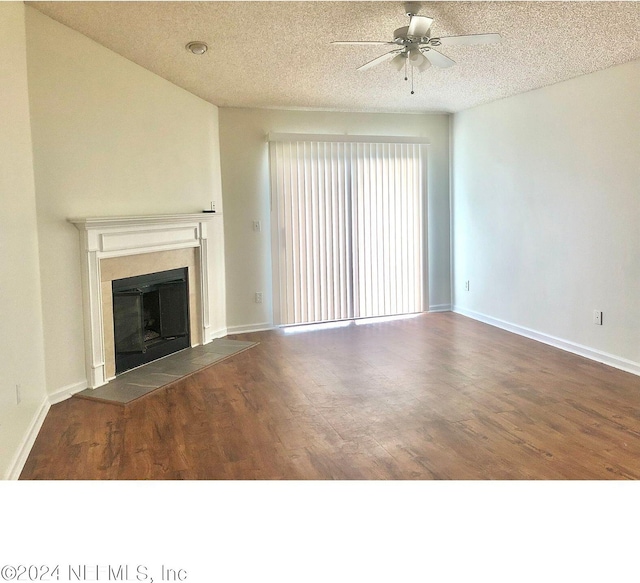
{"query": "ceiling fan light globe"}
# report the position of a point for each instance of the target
(416, 58)
(399, 61)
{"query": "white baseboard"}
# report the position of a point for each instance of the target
(219, 333)
(66, 392)
(579, 349)
(28, 441)
(440, 308)
(36, 424)
(250, 328)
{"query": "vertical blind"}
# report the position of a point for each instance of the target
(349, 229)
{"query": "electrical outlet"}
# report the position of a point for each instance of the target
(18, 394)
(466, 285)
(257, 226)
(597, 317)
(258, 297)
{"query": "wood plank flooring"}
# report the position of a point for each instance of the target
(438, 396)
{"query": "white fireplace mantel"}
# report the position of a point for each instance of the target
(106, 237)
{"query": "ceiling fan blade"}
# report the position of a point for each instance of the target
(361, 42)
(419, 25)
(438, 59)
(470, 39)
(378, 60)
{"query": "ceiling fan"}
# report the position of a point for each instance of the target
(415, 45)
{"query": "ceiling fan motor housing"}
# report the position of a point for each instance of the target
(401, 37)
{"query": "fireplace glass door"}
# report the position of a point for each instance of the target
(150, 317)
(128, 309)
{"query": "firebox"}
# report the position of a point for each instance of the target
(150, 317)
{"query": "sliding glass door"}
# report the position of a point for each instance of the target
(348, 229)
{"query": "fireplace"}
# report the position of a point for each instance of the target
(122, 249)
(150, 317)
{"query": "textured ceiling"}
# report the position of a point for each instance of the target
(277, 54)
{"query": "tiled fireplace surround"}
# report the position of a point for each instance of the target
(117, 247)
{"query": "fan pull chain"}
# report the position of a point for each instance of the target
(412, 91)
(405, 69)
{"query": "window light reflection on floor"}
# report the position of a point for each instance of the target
(379, 319)
(343, 323)
(314, 327)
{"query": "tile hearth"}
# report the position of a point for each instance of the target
(141, 381)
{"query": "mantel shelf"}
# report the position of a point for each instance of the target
(89, 223)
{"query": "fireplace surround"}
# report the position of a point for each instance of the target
(114, 248)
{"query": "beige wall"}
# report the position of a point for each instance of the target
(547, 211)
(21, 346)
(246, 187)
(109, 139)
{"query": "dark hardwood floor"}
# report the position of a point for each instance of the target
(439, 396)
